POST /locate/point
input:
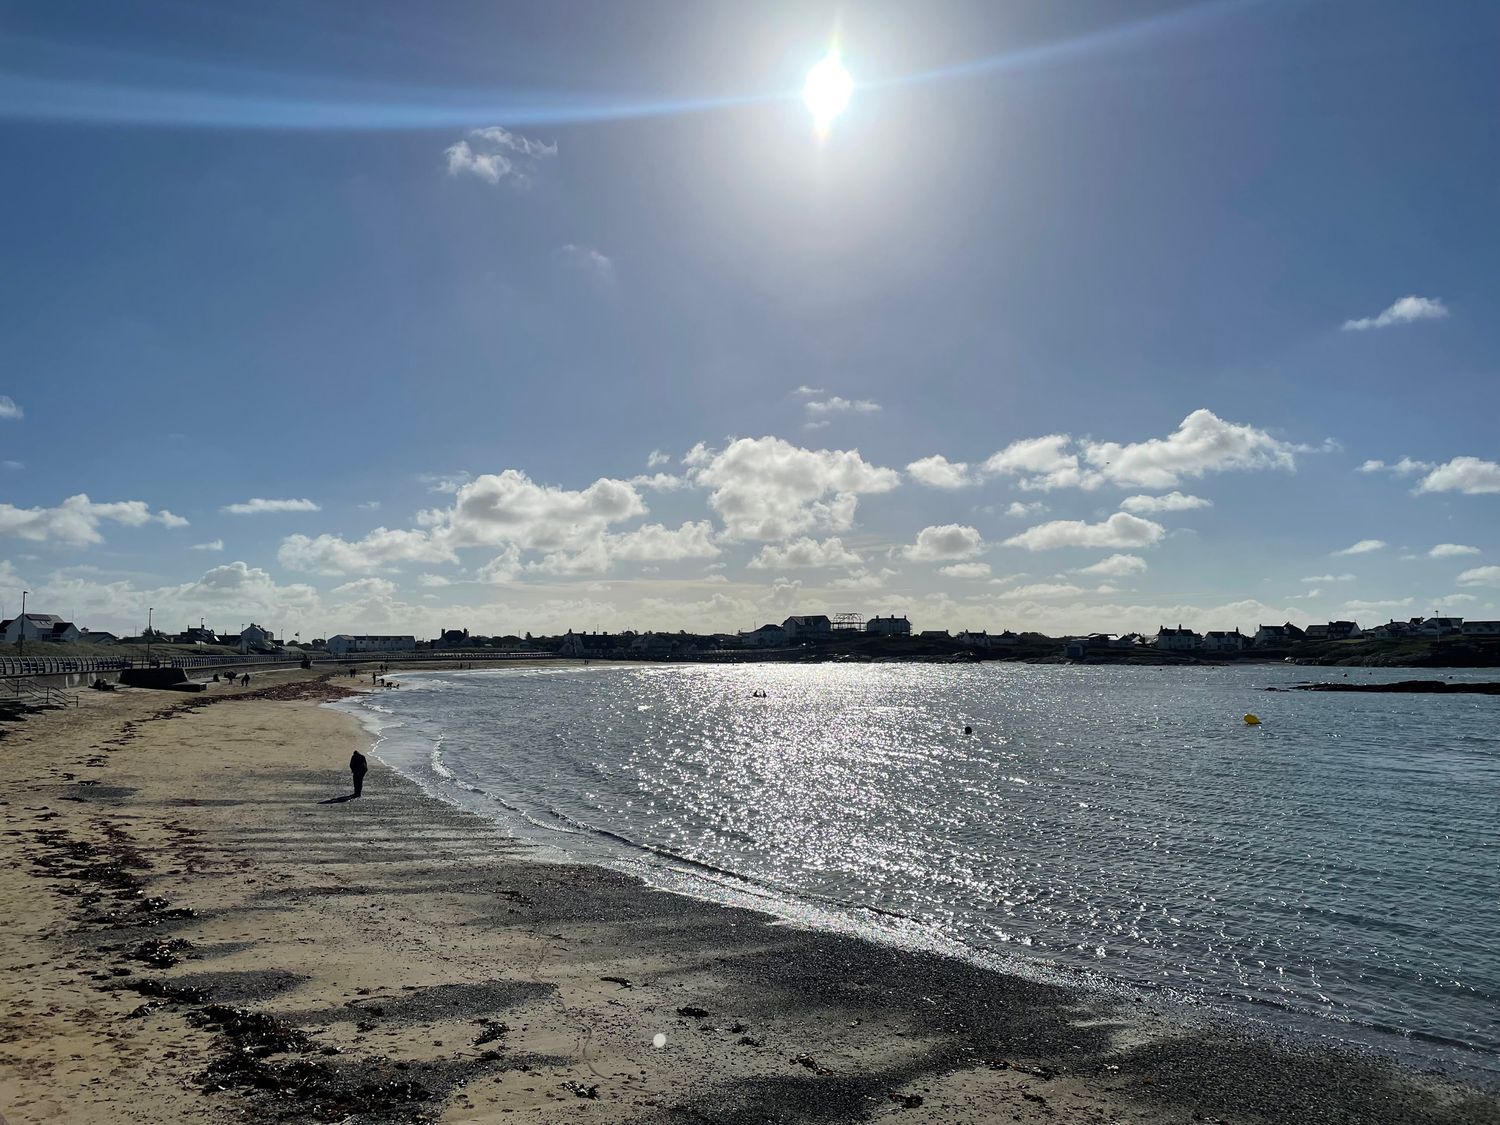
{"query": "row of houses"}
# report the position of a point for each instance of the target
(1276, 636)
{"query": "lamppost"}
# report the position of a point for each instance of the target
(21, 634)
(149, 611)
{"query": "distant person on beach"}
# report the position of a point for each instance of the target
(245, 680)
(358, 767)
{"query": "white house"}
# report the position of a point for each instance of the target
(808, 627)
(888, 626)
(1441, 626)
(1218, 640)
(344, 644)
(1278, 634)
(1177, 640)
(1481, 628)
(39, 627)
(255, 639)
(767, 636)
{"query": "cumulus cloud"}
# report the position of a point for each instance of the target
(1043, 590)
(1119, 530)
(1363, 547)
(258, 506)
(943, 542)
(768, 489)
(1468, 475)
(9, 410)
(382, 549)
(76, 520)
(1317, 578)
(589, 261)
(1404, 311)
(1116, 566)
(804, 554)
(657, 459)
(1480, 576)
(655, 542)
(1203, 443)
(659, 482)
(1024, 510)
(966, 570)
(211, 545)
(1402, 468)
(509, 507)
(1451, 551)
(837, 405)
(939, 472)
(1170, 502)
(1358, 606)
(494, 154)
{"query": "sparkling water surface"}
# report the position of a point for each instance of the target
(1335, 867)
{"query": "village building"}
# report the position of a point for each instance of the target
(346, 644)
(1219, 640)
(1481, 628)
(99, 637)
(1177, 640)
(808, 627)
(767, 636)
(888, 627)
(1441, 626)
(39, 627)
(1278, 634)
(452, 639)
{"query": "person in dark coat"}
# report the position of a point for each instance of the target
(358, 767)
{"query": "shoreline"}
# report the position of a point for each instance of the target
(459, 978)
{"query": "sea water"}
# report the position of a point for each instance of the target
(1336, 867)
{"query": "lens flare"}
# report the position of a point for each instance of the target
(827, 90)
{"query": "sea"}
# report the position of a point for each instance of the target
(1333, 871)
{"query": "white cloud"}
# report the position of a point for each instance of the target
(939, 472)
(433, 581)
(945, 541)
(823, 425)
(1171, 502)
(1363, 547)
(1317, 578)
(1120, 530)
(1404, 311)
(1451, 551)
(1402, 468)
(381, 549)
(257, 506)
(657, 459)
(1468, 475)
(1043, 590)
(211, 545)
(659, 482)
(509, 507)
(1024, 510)
(9, 409)
(766, 488)
(1358, 606)
(864, 580)
(1203, 443)
(837, 405)
(966, 570)
(804, 554)
(589, 261)
(369, 506)
(1480, 576)
(445, 482)
(807, 391)
(76, 520)
(655, 542)
(497, 154)
(1116, 566)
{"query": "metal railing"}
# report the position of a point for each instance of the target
(55, 666)
(28, 691)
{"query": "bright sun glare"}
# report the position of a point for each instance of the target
(827, 90)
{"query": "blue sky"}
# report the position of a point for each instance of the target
(566, 315)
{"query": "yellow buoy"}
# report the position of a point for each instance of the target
(1252, 720)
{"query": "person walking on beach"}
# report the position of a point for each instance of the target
(358, 767)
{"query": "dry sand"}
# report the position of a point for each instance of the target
(193, 934)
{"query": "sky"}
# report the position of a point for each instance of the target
(1080, 317)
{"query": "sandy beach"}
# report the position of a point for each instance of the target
(198, 930)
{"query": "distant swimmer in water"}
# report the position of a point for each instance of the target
(968, 730)
(758, 693)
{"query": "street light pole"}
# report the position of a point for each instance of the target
(21, 634)
(149, 611)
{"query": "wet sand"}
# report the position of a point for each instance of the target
(195, 934)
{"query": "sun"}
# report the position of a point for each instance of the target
(827, 90)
